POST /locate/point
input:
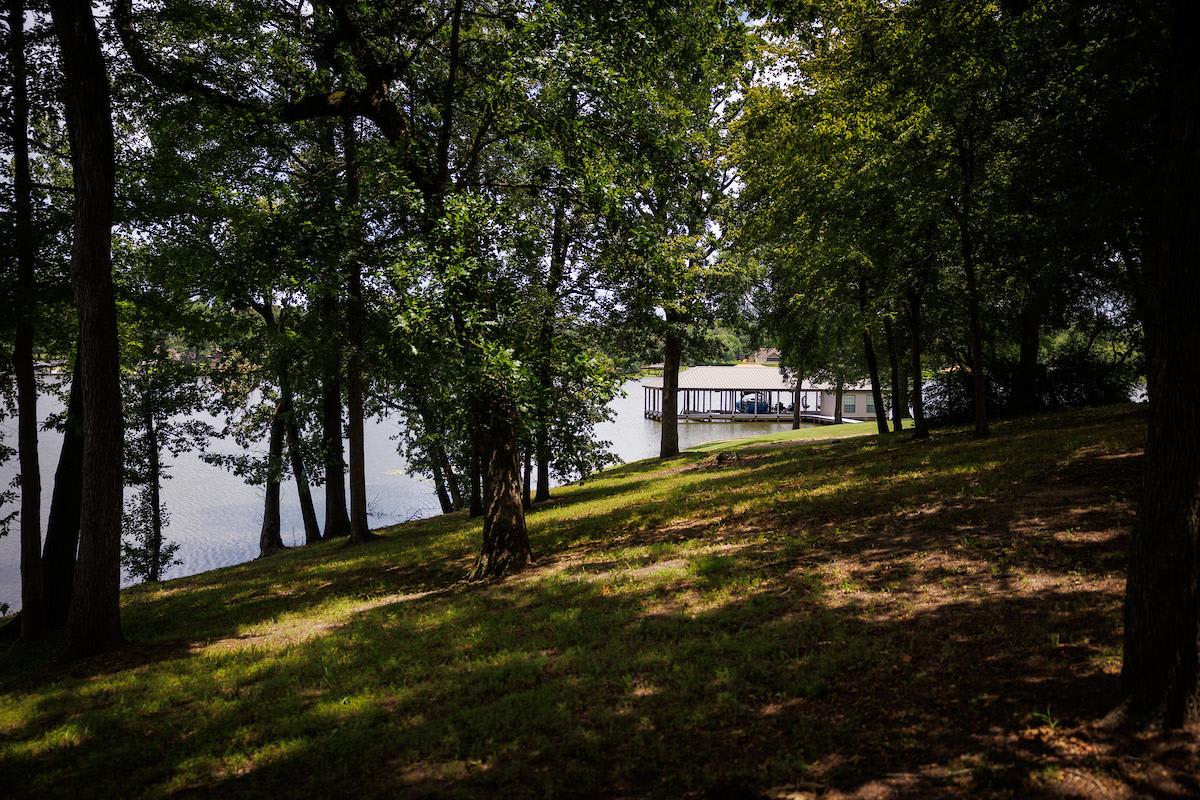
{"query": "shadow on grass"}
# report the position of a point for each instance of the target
(544, 689)
(863, 613)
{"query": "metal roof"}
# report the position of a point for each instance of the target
(752, 377)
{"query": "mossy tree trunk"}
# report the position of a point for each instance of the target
(505, 539)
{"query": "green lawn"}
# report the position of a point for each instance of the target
(928, 618)
(804, 434)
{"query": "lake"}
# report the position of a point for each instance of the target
(215, 517)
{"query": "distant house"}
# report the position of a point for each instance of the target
(768, 357)
(858, 402)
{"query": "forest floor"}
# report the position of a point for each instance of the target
(868, 617)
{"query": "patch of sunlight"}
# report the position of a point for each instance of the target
(441, 615)
(642, 579)
(710, 565)
(278, 750)
(297, 627)
(730, 593)
(347, 707)
(1108, 660)
(16, 712)
(847, 585)
(910, 475)
(565, 616)
(191, 773)
(641, 688)
(67, 735)
(427, 773)
(829, 488)
(968, 469)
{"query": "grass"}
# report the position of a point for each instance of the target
(868, 614)
(800, 435)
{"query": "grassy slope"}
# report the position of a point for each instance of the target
(807, 433)
(933, 617)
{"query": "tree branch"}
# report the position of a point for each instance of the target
(172, 79)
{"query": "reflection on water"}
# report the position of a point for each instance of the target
(215, 517)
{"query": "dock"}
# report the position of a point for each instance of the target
(752, 393)
(722, 415)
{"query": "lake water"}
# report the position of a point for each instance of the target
(215, 517)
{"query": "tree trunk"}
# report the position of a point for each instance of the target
(312, 530)
(62, 524)
(94, 622)
(978, 379)
(920, 429)
(1160, 676)
(438, 463)
(876, 391)
(154, 477)
(456, 498)
(269, 539)
(359, 528)
(505, 539)
(526, 497)
(337, 519)
(894, 365)
(838, 388)
(286, 409)
(33, 621)
(672, 356)
(967, 244)
(558, 265)
(542, 439)
(439, 487)
(796, 395)
(1025, 396)
(476, 466)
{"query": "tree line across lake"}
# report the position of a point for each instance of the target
(471, 212)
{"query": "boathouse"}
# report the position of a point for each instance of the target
(754, 393)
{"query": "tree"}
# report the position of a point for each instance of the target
(94, 622)
(445, 111)
(1160, 672)
(32, 599)
(163, 390)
